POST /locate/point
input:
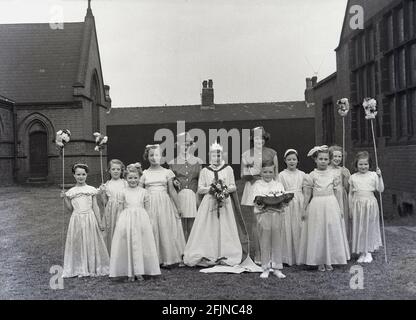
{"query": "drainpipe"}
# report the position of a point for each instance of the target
(15, 142)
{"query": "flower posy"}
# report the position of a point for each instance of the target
(62, 138)
(370, 108)
(220, 191)
(343, 107)
(100, 141)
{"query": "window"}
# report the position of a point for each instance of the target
(400, 26)
(392, 74)
(387, 107)
(95, 108)
(328, 121)
(389, 32)
(354, 123)
(401, 115)
(412, 69)
(402, 69)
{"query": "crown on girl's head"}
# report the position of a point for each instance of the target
(215, 147)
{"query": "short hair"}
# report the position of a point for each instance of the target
(267, 163)
(316, 153)
(334, 148)
(362, 155)
(116, 161)
(134, 167)
(81, 166)
(147, 150)
(265, 135)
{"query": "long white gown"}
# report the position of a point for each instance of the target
(85, 250)
(133, 247)
(166, 223)
(212, 237)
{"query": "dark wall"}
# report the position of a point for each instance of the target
(127, 142)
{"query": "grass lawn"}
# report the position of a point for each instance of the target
(33, 229)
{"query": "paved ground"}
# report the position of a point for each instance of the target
(32, 230)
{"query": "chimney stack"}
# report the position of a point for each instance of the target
(207, 95)
(314, 80)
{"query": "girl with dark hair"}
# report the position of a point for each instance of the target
(85, 250)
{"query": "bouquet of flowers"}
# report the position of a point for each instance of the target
(220, 191)
(370, 108)
(62, 138)
(274, 200)
(100, 141)
(343, 107)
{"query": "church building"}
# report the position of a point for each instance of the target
(51, 79)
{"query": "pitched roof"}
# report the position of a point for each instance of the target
(222, 112)
(38, 63)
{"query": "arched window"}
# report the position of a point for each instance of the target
(95, 108)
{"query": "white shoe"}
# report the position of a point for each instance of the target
(361, 258)
(279, 274)
(265, 274)
(368, 258)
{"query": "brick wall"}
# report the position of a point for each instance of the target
(6, 144)
(396, 161)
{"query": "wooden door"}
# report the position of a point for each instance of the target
(38, 154)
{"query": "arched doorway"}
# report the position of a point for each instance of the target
(38, 151)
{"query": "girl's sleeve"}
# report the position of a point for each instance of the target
(379, 184)
(231, 180)
(307, 181)
(170, 174)
(203, 183)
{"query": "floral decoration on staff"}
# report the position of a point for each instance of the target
(343, 107)
(220, 191)
(62, 138)
(370, 108)
(100, 141)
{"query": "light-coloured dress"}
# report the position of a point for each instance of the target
(113, 190)
(214, 237)
(85, 250)
(133, 248)
(342, 197)
(292, 182)
(251, 162)
(323, 239)
(271, 224)
(365, 233)
(166, 223)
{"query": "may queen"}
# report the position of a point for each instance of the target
(214, 237)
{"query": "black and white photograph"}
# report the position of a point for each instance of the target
(229, 151)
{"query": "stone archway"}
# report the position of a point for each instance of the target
(35, 147)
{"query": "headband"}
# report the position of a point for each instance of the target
(317, 149)
(290, 150)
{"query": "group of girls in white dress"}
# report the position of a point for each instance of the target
(160, 218)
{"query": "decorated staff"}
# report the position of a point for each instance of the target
(370, 109)
(343, 109)
(61, 139)
(100, 143)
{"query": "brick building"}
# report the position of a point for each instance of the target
(378, 61)
(54, 77)
(291, 125)
(7, 141)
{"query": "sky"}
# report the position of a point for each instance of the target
(158, 52)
